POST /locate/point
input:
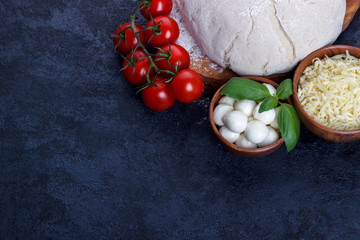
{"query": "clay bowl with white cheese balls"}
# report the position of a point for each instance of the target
(232, 147)
(305, 104)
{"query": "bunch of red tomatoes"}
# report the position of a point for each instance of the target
(163, 74)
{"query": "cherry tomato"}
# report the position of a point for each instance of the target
(172, 57)
(187, 86)
(138, 66)
(156, 8)
(127, 38)
(165, 31)
(158, 98)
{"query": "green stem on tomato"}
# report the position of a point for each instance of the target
(152, 63)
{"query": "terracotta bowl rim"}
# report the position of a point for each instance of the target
(296, 79)
(255, 151)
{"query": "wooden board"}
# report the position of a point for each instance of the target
(214, 76)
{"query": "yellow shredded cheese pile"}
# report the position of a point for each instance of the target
(329, 91)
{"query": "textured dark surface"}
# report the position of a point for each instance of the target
(82, 158)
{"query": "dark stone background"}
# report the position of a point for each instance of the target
(81, 157)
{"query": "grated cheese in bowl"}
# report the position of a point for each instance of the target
(329, 91)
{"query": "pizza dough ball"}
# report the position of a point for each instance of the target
(262, 37)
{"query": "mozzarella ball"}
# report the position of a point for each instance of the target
(235, 121)
(272, 137)
(271, 88)
(219, 112)
(229, 135)
(227, 100)
(256, 131)
(246, 106)
(243, 142)
(266, 117)
(274, 124)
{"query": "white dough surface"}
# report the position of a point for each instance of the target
(262, 37)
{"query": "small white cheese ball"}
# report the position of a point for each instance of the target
(227, 100)
(256, 131)
(229, 135)
(243, 142)
(266, 117)
(272, 137)
(274, 124)
(235, 121)
(246, 106)
(271, 88)
(219, 112)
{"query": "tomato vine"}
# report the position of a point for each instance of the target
(160, 33)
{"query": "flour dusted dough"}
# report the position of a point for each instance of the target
(262, 37)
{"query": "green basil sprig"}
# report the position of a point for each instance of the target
(287, 119)
(285, 89)
(243, 88)
(289, 125)
(268, 103)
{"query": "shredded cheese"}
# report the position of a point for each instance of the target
(329, 91)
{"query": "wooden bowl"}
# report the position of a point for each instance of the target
(245, 152)
(311, 124)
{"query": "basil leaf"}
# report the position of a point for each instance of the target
(289, 125)
(243, 88)
(285, 89)
(269, 103)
